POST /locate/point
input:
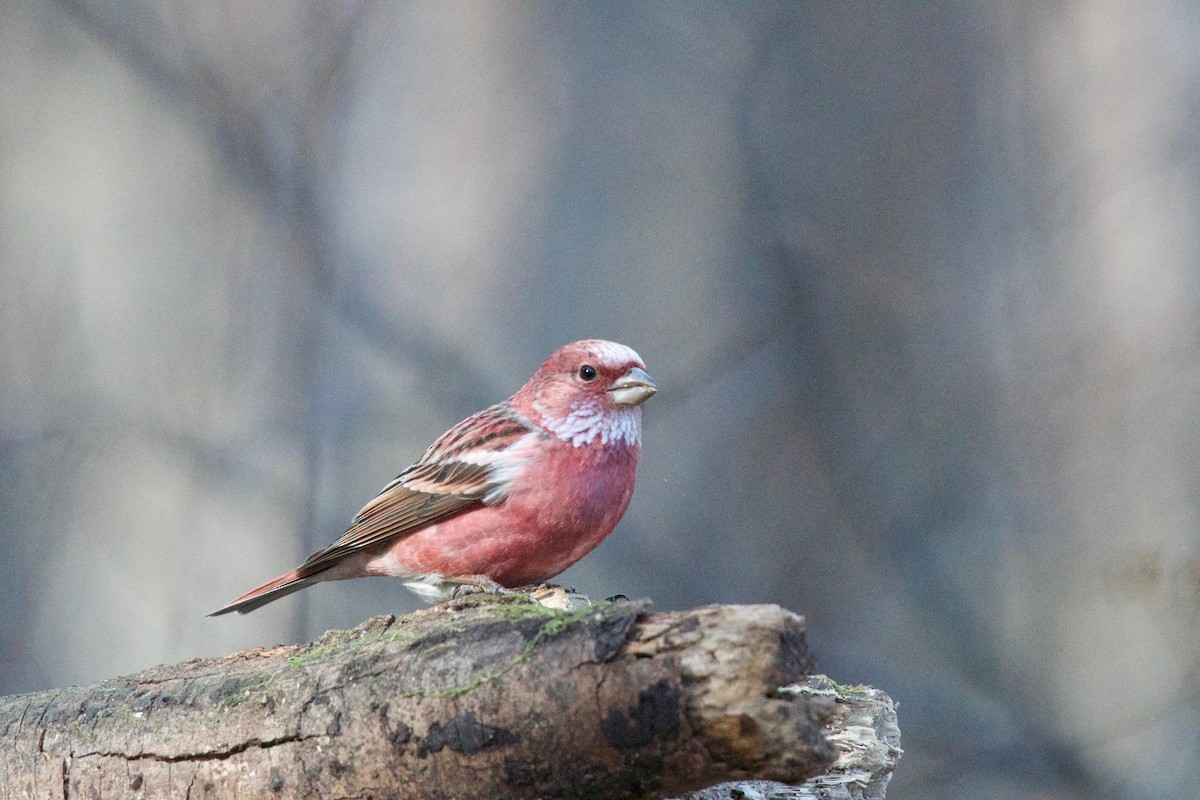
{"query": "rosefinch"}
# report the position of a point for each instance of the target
(510, 496)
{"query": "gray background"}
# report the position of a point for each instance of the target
(918, 284)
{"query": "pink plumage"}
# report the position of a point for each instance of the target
(510, 496)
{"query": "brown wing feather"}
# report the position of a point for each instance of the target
(438, 486)
(398, 512)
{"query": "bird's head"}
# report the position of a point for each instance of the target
(588, 390)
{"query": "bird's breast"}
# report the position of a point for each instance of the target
(577, 488)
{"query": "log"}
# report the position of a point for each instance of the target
(488, 697)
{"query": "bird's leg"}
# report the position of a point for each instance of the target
(546, 594)
(476, 583)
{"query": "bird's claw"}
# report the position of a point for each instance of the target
(480, 583)
(547, 594)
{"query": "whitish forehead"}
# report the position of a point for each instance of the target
(612, 354)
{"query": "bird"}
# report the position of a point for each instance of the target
(509, 497)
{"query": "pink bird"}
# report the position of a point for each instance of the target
(508, 497)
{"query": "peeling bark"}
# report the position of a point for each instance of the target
(482, 697)
(865, 732)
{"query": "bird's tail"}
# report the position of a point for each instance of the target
(270, 591)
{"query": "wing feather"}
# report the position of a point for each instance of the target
(456, 474)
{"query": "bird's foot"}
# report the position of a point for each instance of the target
(470, 584)
(547, 594)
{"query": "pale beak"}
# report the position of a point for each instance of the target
(633, 388)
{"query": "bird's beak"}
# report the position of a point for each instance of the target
(633, 388)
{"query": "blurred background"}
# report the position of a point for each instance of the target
(919, 284)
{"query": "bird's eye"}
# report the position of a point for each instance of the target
(587, 372)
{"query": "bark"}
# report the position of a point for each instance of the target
(482, 697)
(864, 730)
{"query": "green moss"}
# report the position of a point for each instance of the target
(850, 691)
(472, 611)
(822, 685)
(404, 635)
(429, 651)
(456, 691)
(320, 651)
(237, 690)
(488, 600)
(559, 622)
(480, 607)
(516, 609)
(232, 700)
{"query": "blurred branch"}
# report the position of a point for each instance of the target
(451, 380)
(791, 304)
(237, 131)
(278, 154)
(284, 173)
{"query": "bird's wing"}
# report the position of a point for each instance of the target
(458, 472)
